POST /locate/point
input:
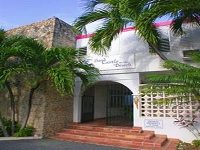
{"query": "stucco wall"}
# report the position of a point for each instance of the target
(129, 44)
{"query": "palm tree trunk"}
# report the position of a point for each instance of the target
(5, 133)
(158, 52)
(30, 99)
(12, 104)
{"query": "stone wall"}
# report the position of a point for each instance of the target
(63, 34)
(58, 111)
(42, 31)
(50, 111)
(51, 32)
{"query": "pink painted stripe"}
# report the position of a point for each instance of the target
(163, 23)
(128, 29)
(158, 24)
(83, 36)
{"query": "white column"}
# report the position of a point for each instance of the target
(77, 101)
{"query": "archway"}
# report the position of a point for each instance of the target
(110, 101)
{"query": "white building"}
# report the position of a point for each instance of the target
(116, 95)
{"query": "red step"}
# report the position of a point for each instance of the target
(112, 129)
(124, 137)
(129, 136)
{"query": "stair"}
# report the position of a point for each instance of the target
(124, 137)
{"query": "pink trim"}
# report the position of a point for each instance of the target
(83, 36)
(128, 29)
(158, 24)
(163, 23)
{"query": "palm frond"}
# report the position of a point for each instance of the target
(90, 17)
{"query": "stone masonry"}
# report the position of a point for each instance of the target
(50, 111)
(51, 32)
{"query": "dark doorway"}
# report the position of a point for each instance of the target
(109, 100)
(88, 106)
(119, 105)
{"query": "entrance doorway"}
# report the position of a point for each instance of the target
(110, 101)
(87, 113)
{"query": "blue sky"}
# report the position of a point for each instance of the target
(14, 13)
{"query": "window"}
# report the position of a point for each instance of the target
(187, 54)
(82, 51)
(163, 45)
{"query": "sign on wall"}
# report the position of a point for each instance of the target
(153, 123)
(112, 62)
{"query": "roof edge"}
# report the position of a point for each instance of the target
(157, 24)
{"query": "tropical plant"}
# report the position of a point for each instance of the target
(27, 131)
(179, 11)
(27, 61)
(8, 127)
(111, 14)
(183, 79)
(115, 15)
(3, 131)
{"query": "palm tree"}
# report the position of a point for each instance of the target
(116, 14)
(113, 22)
(60, 67)
(182, 80)
(180, 11)
(25, 57)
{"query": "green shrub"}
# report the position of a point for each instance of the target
(8, 126)
(196, 143)
(28, 131)
(188, 146)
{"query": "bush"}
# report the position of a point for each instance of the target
(196, 143)
(8, 126)
(28, 131)
(187, 146)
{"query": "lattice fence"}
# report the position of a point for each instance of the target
(161, 105)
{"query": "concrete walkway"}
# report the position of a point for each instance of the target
(48, 144)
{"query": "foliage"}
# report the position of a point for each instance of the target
(179, 11)
(115, 15)
(182, 80)
(186, 146)
(190, 124)
(8, 125)
(27, 62)
(24, 56)
(27, 131)
(196, 143)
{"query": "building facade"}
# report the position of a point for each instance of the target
(117, 96)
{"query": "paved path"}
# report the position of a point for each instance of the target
(48, 144)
